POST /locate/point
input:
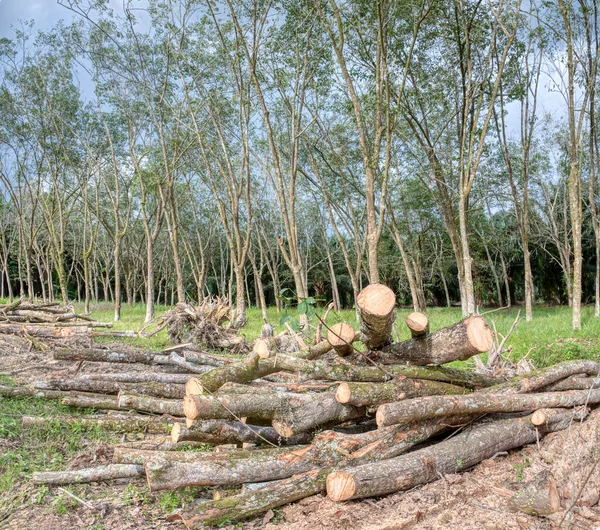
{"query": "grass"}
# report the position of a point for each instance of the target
(546, 340)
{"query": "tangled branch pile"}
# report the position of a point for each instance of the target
(209, 324)
(329, 418)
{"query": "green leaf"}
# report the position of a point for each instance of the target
(295, 324)
(284, 319)
(310, 300)
(302, 308)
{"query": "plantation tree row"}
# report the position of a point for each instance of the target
(278, 150)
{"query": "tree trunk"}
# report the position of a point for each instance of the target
(172, 407)
(123, 423)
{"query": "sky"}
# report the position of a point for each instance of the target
(46, 13)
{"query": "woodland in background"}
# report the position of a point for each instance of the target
(277, 151)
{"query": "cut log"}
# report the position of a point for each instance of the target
(253, 367)
(91, 401)
(269, 347)
(176, 360)
(341, 336)
(97, 355)
(253, 404)
(116, 423)
(369, 394)
(128, 455)
(537, 497)
(219, 432)
(167, 390)
(418, 324)
(140, 377)
(209, 359)
(349, 449)
(222, 469)
(304, 415)
(172, 407)
(458, 342)
(94, 474)
(478, 403)
(375, 304)
(532, 381)
(474, 444)
(252, 503)
(574, 382)
(161, 443)
(25, 391)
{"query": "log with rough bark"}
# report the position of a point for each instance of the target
(341, 336)
(369, 394)
(25, 391)
(574, 382)
(418, 324)
(161, 443)
(268, 347)
(166, 390)
(172, 407)
(222, 469)
(537, 497)
(345, 450)
(205, 358)
(532, 381)
(458, 342)
(252, 503)
(253, 367)
(219, 432)
(254, 404)
(110, 422)
(128, 455)
(478, 403)
(94, 474)
(471, 446)
(140, 377)
(375, 305)
(91, 401)
(98, 355)
(176, 360)
(302, 415)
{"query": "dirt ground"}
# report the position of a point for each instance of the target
(476, 499)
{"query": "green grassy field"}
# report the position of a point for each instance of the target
(546, 340)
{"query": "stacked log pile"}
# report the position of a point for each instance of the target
(329, 417)
(50, 322)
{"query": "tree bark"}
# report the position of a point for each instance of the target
(477, 403)
(458, 342)
(165, 390)
(107, 356)
(140, 377)
(370, 394)
(94, 474)
(255, 367)
(110, 422)
(149, 404)
(455, 454)
(220, 432)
